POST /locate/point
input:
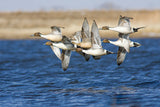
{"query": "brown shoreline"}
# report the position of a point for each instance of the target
(20, 25)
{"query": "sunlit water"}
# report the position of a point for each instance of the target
(31, 75)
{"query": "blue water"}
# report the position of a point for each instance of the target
(31, 75)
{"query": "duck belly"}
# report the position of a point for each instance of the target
(85, 44)
(55, 38)
(124, 30)
(95, 52)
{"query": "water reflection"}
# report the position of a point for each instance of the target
(124, 100)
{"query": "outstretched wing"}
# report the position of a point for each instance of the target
(95, 37)
(76, 37)
(56, 51)
(66, 54)
(56, 30)
(121, 55)
(66, 40)
(124, 21)
(85, 31)
(125, 41)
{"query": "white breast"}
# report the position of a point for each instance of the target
(64, 46)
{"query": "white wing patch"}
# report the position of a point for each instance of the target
(56, 51)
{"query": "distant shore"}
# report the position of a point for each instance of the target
(20, 25)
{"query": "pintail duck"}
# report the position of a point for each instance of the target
(86, 37)
(124, 47)
(64, 56)
(64, 44)
(67, 47)
(123, 42)
(123, 26)
(55, 35)
(77, 39)
(96, 49)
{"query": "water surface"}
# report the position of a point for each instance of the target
(31, 75)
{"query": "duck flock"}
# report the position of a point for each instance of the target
(88, 43)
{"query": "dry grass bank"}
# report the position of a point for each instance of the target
(20, 25)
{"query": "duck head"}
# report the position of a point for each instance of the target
(104, 28)
(37, 34)
(106, 41)
(48, 43)
(78, 50)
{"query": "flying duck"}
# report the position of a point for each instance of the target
(123, 42)
(85, 36)
(55, 35)
(64, 56)
(123, 26)
(96, 49)
(77, 38)
(124, 47)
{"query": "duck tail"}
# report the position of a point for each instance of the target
(136, 29)
(136, 44)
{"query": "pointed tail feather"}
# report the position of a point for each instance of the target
(136, 29)
(136, 44)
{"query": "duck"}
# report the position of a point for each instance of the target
(76, 38)
(123, 26)
(55, 35)
(67, 47)
(64, 44)
(85, 36)
(123, 43)
(118, 43)
(96, 49)
(64, 56)
(123, 48)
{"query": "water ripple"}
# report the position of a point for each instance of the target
(31, 75)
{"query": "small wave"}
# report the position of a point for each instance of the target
(150, 84)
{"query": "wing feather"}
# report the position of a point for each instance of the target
(95, 37)
(56, 51)
(124, 21)
(56, 30)
(66, 54)
(86, 56)
(125, 41)
(121, 55)
(85, 31)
